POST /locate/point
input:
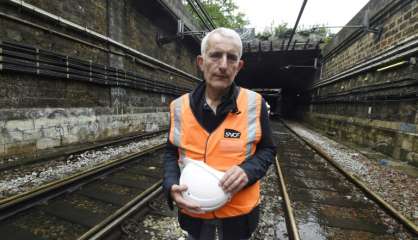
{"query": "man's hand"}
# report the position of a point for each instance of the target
(182, 203)
(233, 180)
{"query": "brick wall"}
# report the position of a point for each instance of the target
(355, 100)
(398, 25)
(38, 113)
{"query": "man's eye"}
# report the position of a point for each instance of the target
(232, 57)
(216, 55)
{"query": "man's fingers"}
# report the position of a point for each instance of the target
(189, 206)
(176, 193)
(234, 180)
(178, 188)
(229, 176)
(236, 185)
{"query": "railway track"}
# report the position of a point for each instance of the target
(65, 153)
(89, 205)
(46, 171)
(321, 203)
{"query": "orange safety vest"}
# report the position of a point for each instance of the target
(232, 142)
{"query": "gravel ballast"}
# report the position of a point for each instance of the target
(396, 187)
(25, 178)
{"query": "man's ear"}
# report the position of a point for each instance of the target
(240, 64)
(199, 62)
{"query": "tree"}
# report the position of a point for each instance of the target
(282, 31)
(224, 13)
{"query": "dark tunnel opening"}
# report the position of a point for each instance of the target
(282, 77)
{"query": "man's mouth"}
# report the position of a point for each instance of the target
(221, 76)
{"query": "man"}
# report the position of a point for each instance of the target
(227, 127)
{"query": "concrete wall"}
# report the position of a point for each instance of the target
(354, 100)
(38, 112)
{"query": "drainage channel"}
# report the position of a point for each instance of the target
(91, 205)
(320, 202)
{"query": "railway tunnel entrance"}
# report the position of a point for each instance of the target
(280, 72)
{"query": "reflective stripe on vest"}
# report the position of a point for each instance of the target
(252, 123)
(177, 125)
(231, 143)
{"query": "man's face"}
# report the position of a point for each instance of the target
(220, 64)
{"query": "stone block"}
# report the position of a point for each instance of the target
(415, 143)
(43, 123)
(416, 117)
(31, 135)
(19, 125)
(407, 142)
(18, 148)
(14, 136)
(408, 127)
(45, 143)
(2, 149)
(70, 139)
(412, 158)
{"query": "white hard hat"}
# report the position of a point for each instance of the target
(202, 185)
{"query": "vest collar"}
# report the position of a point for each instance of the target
(228, 102)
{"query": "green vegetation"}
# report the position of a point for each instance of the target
(224, 13)
(283, 31)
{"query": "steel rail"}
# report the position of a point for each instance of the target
(101, 229)
(95, 145)
(17, 199)
(74, 26)
(380, 201)
(291, 224)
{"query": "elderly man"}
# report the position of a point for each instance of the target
(226, 127)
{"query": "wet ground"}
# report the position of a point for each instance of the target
(326, 205)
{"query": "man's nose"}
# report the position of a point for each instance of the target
(223, 62)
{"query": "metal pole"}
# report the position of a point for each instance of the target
(199, 14)
(296, 24)
(202, 8)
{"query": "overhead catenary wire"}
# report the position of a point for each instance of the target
(202, 14)
(199, 15)
(208, 17)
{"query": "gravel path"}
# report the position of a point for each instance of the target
(397, 188)
(25, 178)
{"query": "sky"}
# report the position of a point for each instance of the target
(261, 13)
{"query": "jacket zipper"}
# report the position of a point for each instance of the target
(204, 160)
(207, 139)
(206, 148)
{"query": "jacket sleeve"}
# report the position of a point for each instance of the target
(257, 166)
(171, 170)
